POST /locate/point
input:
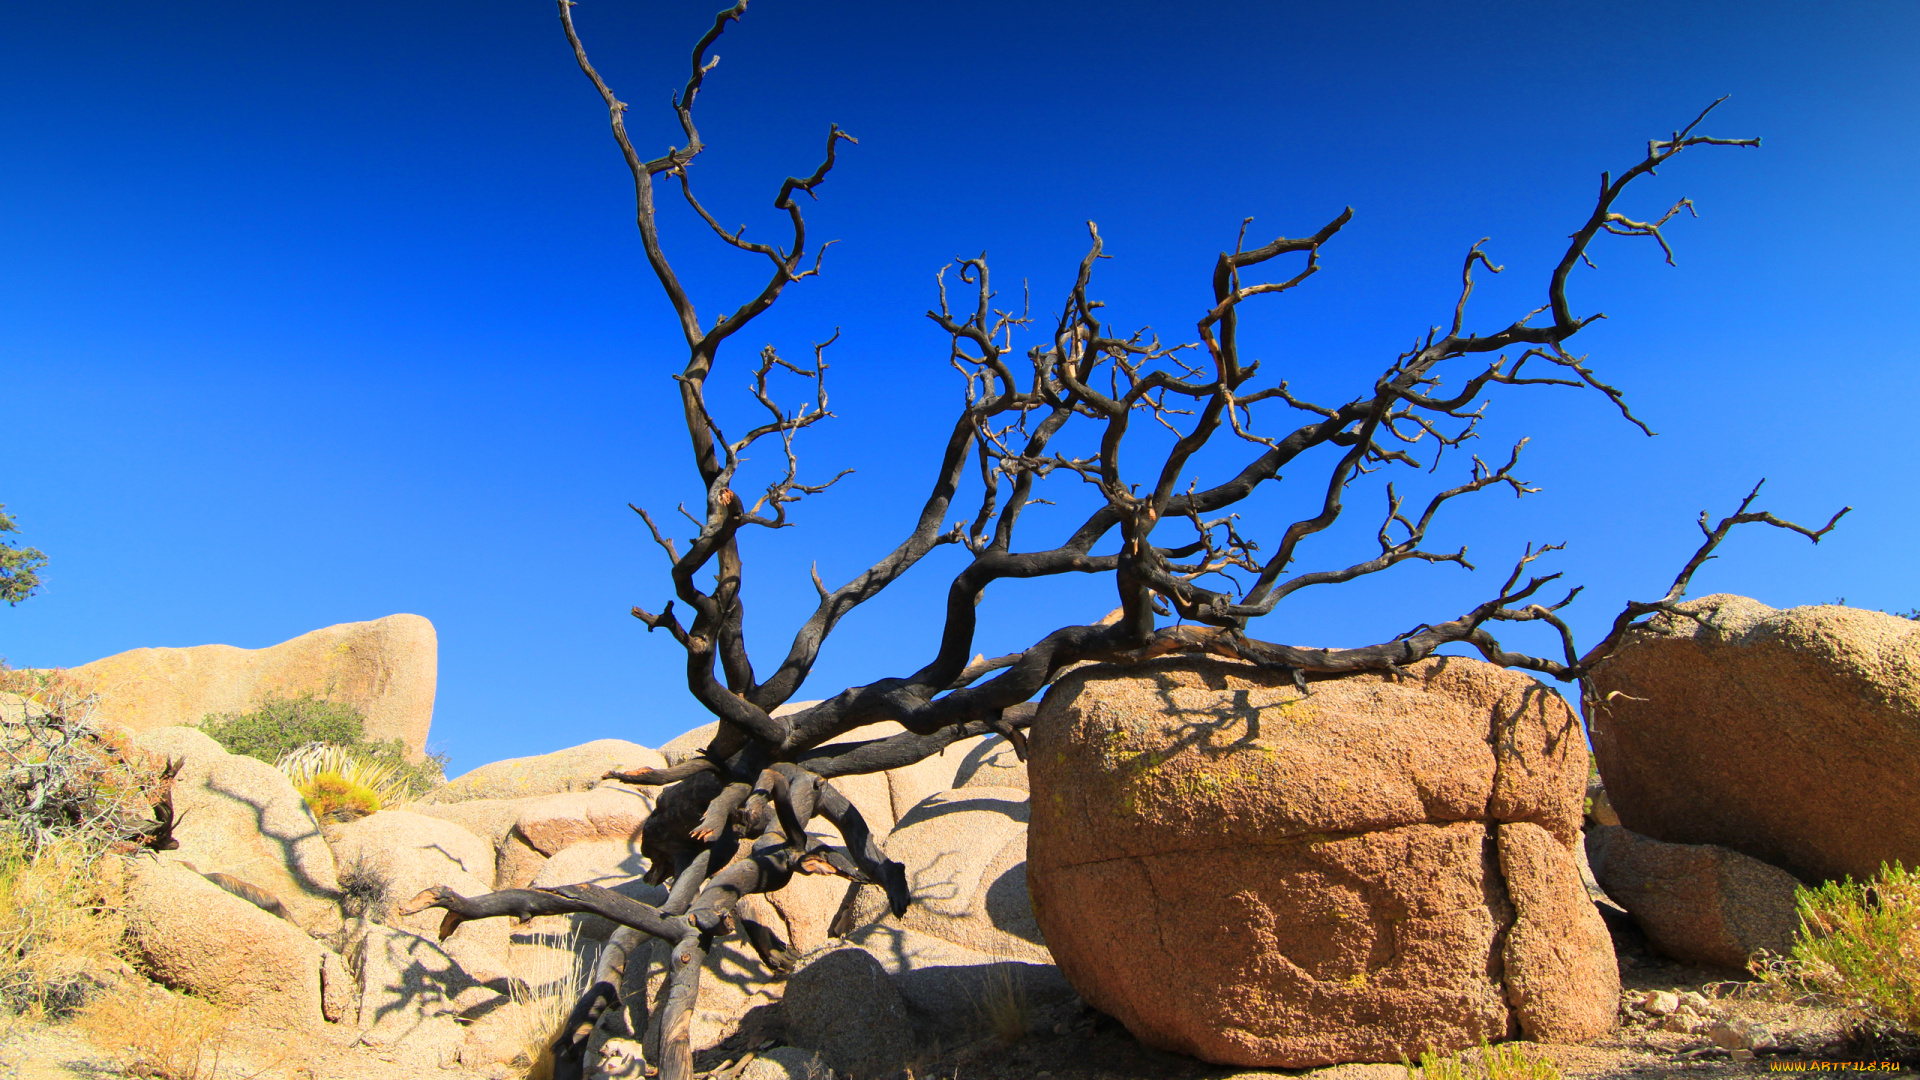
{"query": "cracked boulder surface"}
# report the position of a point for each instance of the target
(1258, 876)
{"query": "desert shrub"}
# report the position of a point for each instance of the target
(282, 725)
(363, 890)
(1858, 947)
(1001, 1007)
(417, 779)
(63, 777)
(156, 1034)
(333, 797)
(1507, 1061)
(60, 927)
(71, 796)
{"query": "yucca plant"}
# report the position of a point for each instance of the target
(341, 785)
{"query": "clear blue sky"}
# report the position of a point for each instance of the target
(316, 313)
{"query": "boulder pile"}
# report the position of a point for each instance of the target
(1235, 866)
(265, 909)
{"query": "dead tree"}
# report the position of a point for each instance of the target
(733, 821)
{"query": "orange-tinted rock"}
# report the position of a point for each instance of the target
(1697, 903)
(554, 823)
(387, 667)
(1787, 735)
(1558, 952)
(192, 936)
(1259, 877)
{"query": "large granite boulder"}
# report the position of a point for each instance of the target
(387, 667)
(388, 858)
(1696, 902)
(189, 934)
(239, 816)
(1260, 877)
(966, 857)
(1788, 735)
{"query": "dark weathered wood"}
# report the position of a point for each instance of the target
(733, 822)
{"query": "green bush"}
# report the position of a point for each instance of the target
(281, 725)
(1859, 947)
(1506, 1061)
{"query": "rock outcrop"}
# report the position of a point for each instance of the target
(239, 816)
(190, 935)
(1697, 903)
(1258, 877)
(554, 823)
(843, 1005)
(412, 990)
(387, 667)
(386, 859)
(1786, 735)
(966, 858)
(970, 939)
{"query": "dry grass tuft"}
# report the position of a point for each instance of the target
(1002, 1007)
(1506, 1061)
(548, 978)
(1859, 949)
(60, 928)
(155, 1034)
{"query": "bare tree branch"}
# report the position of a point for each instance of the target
(733, 821)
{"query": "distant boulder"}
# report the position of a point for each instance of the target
(386, 668)
(576, 768)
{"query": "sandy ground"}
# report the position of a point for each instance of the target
(1077, 1044)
